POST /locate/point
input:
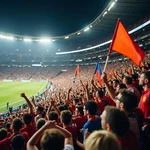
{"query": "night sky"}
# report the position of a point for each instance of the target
(47, 17)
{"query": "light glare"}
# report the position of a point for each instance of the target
(86, 29)
(27, 40)
(113, 3)
(67, 37)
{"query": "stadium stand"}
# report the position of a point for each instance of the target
(76, 110)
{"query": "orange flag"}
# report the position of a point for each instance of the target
(124, 44)
(76, 73)
(113, 73)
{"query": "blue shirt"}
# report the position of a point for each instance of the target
(92, 125)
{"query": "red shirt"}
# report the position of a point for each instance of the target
(109, 100)
(145, 103)
(6, 143)
(80, 121)
(100, 106)
(129, 142)
(30, 129)
(73, 131)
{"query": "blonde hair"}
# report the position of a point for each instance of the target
(102, 140)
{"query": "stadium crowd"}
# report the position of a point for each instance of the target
(114, 115)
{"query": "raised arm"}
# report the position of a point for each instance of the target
(28, 102)
(108, 88)
(31, 145)
(33, 102)
(68, 135)
(87, 91)
(49, 110)
(68, 96)
(82, 85)
(93, 85)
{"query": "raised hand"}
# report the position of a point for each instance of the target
(104, 77)
(32, 98)
(23, 95)
(70, 90)
(92, 81)
(50, 124)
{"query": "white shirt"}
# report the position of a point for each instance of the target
(68, 147)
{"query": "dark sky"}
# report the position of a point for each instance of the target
(47, 17)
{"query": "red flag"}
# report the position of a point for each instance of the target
(77, 71)
(125, 45)
(113, 73)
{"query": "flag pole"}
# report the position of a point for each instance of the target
(111, 45)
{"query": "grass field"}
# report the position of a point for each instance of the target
(10, 92)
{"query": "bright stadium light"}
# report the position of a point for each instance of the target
(104, 13)
(45, 40)
(53, 40)
(102, 44)
(67, 37)
(86, 29)
(79, 33)
(7, 37)
(27, 40)
(113, 3)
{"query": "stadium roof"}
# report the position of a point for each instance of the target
(131, 12)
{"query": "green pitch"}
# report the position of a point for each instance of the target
(10, 92)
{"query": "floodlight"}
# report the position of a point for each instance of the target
(104, 13)
(67, 37)
(113, 3)
(86, 29)
(27, 40)
(45, 40)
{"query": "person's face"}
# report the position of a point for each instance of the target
(142, 80)
(118, 103)
(76, 112)
(85, 111)
(36, 111)
(114, 84)
(103, 121)
(117, 88)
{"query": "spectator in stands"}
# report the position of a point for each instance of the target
(39, 113)
(17, 125)
(94, 121)
(30, 127)
(127, 102)
(144, 104)
(8, 128)
(54, 139)
(102, 140)
(3, 133)
(115, 83)
(128, 82)
(66, 119)
(40, 123)
(18, 142)
(117, 122)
